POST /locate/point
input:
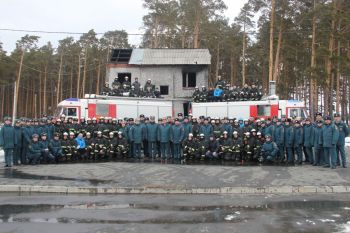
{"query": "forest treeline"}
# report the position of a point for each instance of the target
(303, 45)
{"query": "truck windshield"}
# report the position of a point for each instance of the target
(58, 111)
(298, 112)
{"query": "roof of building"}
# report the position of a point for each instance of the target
(170, 57)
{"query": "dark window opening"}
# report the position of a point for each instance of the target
(121, 77)
(121, 55)
(72, 112)
(189, 79)
(164, 90)
(186, 106)
(264, 110)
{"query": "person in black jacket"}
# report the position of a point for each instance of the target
(213, 148)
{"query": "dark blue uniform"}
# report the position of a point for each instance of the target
(8, 141)
(340, 147)
(330, 135)
(308, 135)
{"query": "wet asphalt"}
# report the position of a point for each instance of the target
(174, 213)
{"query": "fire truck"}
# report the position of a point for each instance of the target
(121, 107)
(257, 109)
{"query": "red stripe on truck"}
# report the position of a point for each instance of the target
(112, 110)
(274, 110)
(91, 110)
(253, 111)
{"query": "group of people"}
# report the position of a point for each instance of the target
(280, 141)
(128, 89)
(225, 93)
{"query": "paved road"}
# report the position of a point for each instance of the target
(173, 176)
(179, 213)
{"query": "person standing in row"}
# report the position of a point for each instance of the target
(8, 141)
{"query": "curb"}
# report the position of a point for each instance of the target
(159, 190)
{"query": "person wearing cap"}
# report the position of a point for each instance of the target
(126, 83)
(190, 147)
(317, 143)
(65, 144)
(105, 89)
(196, 95)
(203, 96)
(151, 132)
(249, 143)
(237, 144)
(217, 128)
(34, 150)
(100, 146)
(136, 84)
(55, 147)
(180, 116)
(289, 141)
(202, 144)
(236, 127)
(122, 127)
(308, 135)
(226, 147)
(8, 141)
(270, 128)
(149, 87)
(269, 150)
(195, 127)
(298, 141)
(263, 128)
(330, 135)
(246, 126)
(17, 153)
(133, 92)
(72, 145)
(90, 146)
(143, 122)
(46, 156)
(51, 129)
(27, 138)
(318, 116)
(187, 125)
(164, 138)
(176, 137)
(122, 146)
(91, 127)
(128, 136)
(226, 126)
(137, 135)
(206, 129)
(279, 139)
(112, 145)
(343, 133)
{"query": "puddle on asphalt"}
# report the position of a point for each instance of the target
(304, 214)
(15, 174)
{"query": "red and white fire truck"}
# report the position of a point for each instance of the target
(121, 107)
(256, 109)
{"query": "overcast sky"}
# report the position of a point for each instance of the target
(77, 16)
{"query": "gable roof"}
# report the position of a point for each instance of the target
(170, 57)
